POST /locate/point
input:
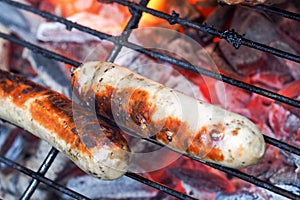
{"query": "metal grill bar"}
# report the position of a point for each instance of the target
(253, 180)
(277, 11)
(119, 41)
(42, 179)
(241, 175)
(247, 177)
(42, 171)
(66, 60)
(230, 171)
(229, 35)
(159, 186)
(282, 145)
(188, 66)
(132, 24)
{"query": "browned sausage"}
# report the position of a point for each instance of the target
(96, 147)
(172, 118)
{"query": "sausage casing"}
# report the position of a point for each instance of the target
(172, 118)
(93, 145)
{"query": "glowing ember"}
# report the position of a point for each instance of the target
(108, 18)
(150, 20)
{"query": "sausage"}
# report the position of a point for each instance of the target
(93, 145)
(250, 2)
(181, 122)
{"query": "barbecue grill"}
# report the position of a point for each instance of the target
(136, 10)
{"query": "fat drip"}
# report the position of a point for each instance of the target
(172, 118)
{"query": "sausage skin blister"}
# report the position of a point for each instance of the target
(96, 147)
(172, 118)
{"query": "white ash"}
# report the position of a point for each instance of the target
(274, 196)
(198, 194)
(49, 72)
(123, 188)
(15, 21)
(13, 186)
(37, 159)
(243, 196)
(15, 150)
(57, 32)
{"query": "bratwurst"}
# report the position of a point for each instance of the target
(172, 118)
(93, 145)
(251, 2)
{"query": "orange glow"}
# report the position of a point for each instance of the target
(108, 18)
(148, 19)
(216, 39)
(70, 7)
(204, 11)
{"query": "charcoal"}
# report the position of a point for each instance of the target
(286, 176)
(272, 195)
(47, 73)
(203, 180)
(218, 19)
(255, 27)
(15, 21)
(11, 144)
(198, 194)
(244, 196)
(123, 188)
(56, 32)
(183, 8)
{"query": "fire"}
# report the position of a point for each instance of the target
(205, 10)
(70, 7)
(109, 18)
(150, 20)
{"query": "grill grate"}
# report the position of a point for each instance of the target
(230, 35)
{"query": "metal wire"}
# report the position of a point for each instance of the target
(277, 11)
(158, 186)
(229, 35)
(42, 171)
(132, 24)
(42, 179)
(232, 172)
(163, 57)
(59, 57)
(70, 25)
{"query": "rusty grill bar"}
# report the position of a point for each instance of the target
(136, 10)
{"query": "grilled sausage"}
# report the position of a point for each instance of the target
(251, 2)
(172, 118)
(93, 145)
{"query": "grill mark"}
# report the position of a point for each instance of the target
(134, 109)
(19, 89)
(54, 112)
(215, 154)
(103, 101)
(173, 132)
(140, 109)
(201, 143)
